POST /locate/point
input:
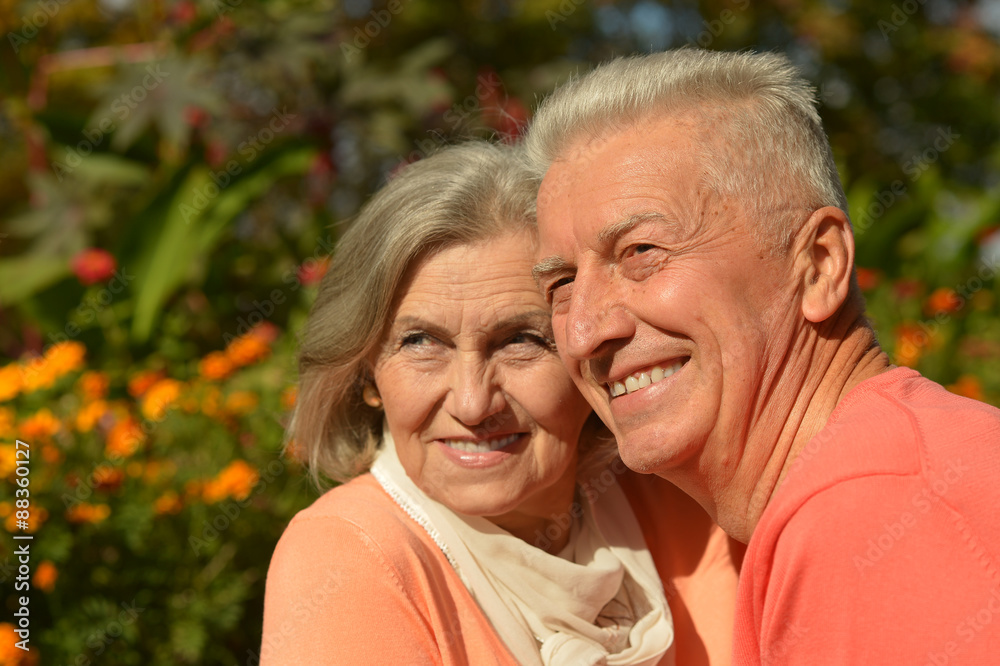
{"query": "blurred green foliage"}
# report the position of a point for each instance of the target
(213, 148)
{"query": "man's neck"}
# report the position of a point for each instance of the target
(821, 366)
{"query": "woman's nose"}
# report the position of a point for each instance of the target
(473, 394)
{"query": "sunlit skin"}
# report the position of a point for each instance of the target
(646, 266)
(469, 355)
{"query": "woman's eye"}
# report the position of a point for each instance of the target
(415, 339)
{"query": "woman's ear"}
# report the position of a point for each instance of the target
(828, 255)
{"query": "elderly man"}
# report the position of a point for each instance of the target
(698, 258)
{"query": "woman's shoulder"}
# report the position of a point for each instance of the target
(357, 513)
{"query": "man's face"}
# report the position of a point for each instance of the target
(667, 314)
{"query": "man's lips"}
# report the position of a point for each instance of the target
(640, 379)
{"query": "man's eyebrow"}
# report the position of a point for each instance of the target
(548, 266)
(613, 232)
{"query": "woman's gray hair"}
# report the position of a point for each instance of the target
(760, 127)
(462, 194)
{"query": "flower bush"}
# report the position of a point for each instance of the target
(148, 489)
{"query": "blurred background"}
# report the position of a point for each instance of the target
(174, 174)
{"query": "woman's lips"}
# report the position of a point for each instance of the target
(480, 452)
(647, 377)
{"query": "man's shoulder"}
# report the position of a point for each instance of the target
(915, 408)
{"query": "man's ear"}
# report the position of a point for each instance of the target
(828, 254)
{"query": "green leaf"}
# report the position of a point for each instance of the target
(20, 277)
(195, 222)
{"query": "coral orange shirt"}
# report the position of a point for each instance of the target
(354, 580)
(882, 545)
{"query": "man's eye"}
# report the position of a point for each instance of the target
(559, 289)
(527, 338)
(643, 248)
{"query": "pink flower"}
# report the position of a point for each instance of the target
(93, 265)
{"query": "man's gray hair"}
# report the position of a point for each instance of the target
(762, 140)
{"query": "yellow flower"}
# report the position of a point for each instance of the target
(94, 385)
(159, 398)
(168, 502)
(10, 381)
(91, 413)
(65, 357)
(36, 516)
(124, 439)
(45, 576)
(87, 513)
(241, 402)
(236, 481)
(40, 425)
(215, 366)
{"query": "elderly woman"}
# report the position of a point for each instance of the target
(481, 520)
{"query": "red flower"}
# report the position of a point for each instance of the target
(312, 270)
(868, 278)
(93, 265)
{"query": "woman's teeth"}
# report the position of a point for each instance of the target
(484, 446)
(641, 380)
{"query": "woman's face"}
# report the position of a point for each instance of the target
(484, 416)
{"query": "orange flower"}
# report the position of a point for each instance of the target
(91, 413)
(868, 278)
(911, 340)
(65, 357)
(236, 480)
(969, 386)
(45, 576)
(125, 438)
(10, 654)
(10, 381)
(215, 366)
(36, 517)
(141, 382)
(159, 398)
(40, 425)
(942, 300)
(168, 502)
(241, 402)
(87, 513)
(6, 422)
(37, 373)
(94, 385)
(247, 349)
(289, 396)
(8, 458)
(210, 402)
(51, 454)
(108, 479)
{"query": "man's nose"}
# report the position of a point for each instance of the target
(596, 316)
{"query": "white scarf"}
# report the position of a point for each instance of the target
(599, 602)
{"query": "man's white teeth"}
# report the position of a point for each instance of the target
(643, 379)
(484, 446)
